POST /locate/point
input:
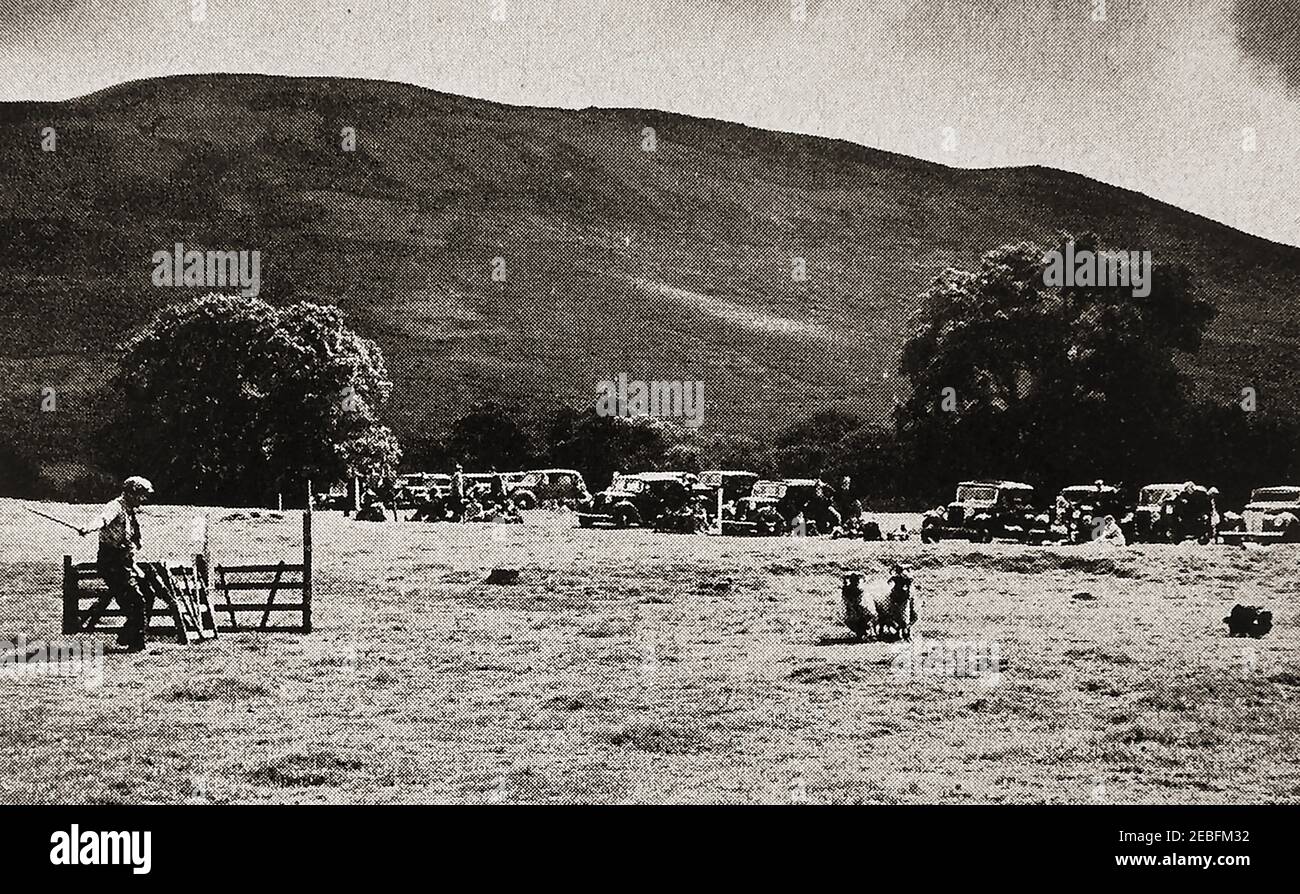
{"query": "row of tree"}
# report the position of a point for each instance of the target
(229, 399)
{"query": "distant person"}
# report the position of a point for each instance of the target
(458, 492)
(1110, 532)
(119, 538)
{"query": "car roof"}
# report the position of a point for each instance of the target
(728, 472)
(661, 476)
(1092, 487)
(996, 482)
(1276, 487)
(550, 471)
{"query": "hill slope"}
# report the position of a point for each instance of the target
(671, 264)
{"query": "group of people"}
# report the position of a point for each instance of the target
(463, 502)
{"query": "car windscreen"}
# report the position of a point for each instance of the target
(1275, 495)
(1151, 496)
(769, 490)
(634, 485)
(976, 493)
(1085, 494)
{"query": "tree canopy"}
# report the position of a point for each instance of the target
(229, 399)
(1048, 381)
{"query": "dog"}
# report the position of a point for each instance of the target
(1249, 620)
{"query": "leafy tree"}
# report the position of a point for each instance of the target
(229, 399)
(490, 437)
(19, 476)
(813, 447)
(1048, 381)
(597, 445)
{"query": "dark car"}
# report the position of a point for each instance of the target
(986, 510)
(416, 488)
(1171, 513)
(772, 506)
(491, 486)
(540, 487)
(733, 486)
(640, 499)
(1273, 514)
(1077, 514)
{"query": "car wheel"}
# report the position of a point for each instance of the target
(1291, 534)
(584, 522)
(626, 517)
(526, 501)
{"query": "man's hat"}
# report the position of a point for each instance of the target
(137, 485)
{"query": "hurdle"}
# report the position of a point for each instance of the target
(83, 584)
(181, 588)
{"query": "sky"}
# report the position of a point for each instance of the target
(1195, 102)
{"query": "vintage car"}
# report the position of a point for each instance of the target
(772, 506)
(1168, 513)
(551, 486)
(733, 487)
(336, 498)
(640, 499)
(415, 488)
(485, 484)
(987, 510)
(1077, 513)
(1273, 514)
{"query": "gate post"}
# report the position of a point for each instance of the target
(71, 600)
(306, 564)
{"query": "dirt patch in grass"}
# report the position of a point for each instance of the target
(211, 689)
(305, 770)
(654, 736)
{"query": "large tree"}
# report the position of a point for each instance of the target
(1049, 381)
(229, 399)
(490, 436)
(597, 446)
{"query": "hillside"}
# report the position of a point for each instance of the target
(672, 264)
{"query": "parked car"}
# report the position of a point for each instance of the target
(734, 486)
(1174, 512)
(636, 500)
(1273, 514)
(485, 483)
(986, 510)
(414, 488)
(542, 486)
(1077, 513)
(772, 507)
(336, 498)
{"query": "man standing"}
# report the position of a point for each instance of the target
(119, 538)
(458, 492)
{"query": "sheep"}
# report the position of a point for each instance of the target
(857, 617)
(895, 612)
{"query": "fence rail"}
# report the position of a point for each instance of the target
(86, 605)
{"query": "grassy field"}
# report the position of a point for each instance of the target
(645, 668)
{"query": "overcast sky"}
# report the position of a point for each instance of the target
(1157, 97)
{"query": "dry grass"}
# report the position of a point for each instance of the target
(636, 667)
